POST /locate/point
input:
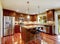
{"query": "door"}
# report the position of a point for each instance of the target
(59, 24)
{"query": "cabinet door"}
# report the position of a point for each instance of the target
(50, 15)
(33, 17)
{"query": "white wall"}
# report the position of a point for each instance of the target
(56, 21)
(1, 16)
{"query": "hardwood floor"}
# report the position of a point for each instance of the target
(50, 39)
(17, 39)
(14, 39)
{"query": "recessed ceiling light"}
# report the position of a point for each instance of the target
(17, 10)
(47, 9)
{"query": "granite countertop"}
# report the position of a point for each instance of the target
(37, 23)
(31, 26)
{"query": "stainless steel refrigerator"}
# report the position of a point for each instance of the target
(8, 25)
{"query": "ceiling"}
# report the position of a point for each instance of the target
(22, 6)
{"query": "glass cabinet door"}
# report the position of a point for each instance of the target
(42, 19)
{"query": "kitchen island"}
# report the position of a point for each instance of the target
(29, 30)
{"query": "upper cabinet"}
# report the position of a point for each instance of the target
(20, 16)
(42, 18)
(50, 15)
(33, 17)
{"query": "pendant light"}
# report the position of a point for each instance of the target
(38, 13)
(28, 17)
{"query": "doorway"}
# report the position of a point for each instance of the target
(59, 24)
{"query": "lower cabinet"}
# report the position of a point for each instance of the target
(50, 30)
(26, 35)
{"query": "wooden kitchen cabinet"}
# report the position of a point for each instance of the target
(33, 17)
(50, 15)
(50, 20)
(26, 35)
